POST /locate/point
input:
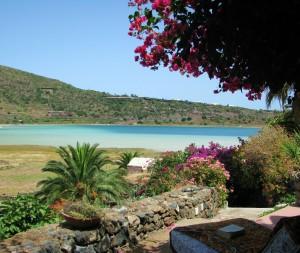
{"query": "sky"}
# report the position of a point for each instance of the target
(85, 43)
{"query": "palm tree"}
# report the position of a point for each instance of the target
(125, 159)
(282, 96)
(81, 175)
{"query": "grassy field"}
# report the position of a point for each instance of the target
(20, 166)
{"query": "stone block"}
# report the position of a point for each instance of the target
(149, 227)
(112, 226)
(133, 220)
(83, 249)
(84, 238)
(168, 221)
(119, 239)
(156, 208)
(103, 245)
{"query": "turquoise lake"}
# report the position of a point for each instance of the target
(151, 137)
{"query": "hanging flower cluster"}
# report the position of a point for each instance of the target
(177, 35)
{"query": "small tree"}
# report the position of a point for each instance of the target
(81, 175)
(248, 45)
(125, 159)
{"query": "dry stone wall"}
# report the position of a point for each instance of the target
(121, 227)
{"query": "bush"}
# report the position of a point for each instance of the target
(261, 170)
(82, 210)
(200, 166)
(292, 148)
(214, 150)
(284, 120)
(207, 172)
(164, 175)
(22, 213)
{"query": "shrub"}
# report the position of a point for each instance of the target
(207, 172)
(284, 120)
(82, 210)
(214, 150)
(261, 169)
(292, 148)
(164, 175)
(198, 166)
(22, 213)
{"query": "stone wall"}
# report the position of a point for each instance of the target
(120, 227)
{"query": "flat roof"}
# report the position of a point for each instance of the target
(140, 161)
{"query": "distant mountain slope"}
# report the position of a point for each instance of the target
(29, 98)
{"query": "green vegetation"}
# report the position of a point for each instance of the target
(292, 148)
(288, 199)
(259, 172)
(20, 166)
(186, 168)
(81, 176)
(82, 210)
(261, 169)
(77, 174)
(22, 213)
(125, 159)
(274, 209)
(284, 120)
(30, 98)
(164, 176)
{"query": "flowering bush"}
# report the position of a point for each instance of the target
(207, 172)
(199, 166)
(261, 169)
(214, 150)
(164, 174)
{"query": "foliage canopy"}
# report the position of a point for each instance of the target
(250, 45)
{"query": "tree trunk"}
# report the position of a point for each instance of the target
(296, 108)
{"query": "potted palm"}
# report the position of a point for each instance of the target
(81, 215)
(81, 176)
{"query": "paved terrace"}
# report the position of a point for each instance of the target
(158, 242)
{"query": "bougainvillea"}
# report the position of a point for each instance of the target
(208, 172)
(214, 150)
(244, 44)
(164, 174)
(201, 166)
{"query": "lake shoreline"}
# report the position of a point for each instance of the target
(53, 148)
(133, 125)
(162, 138)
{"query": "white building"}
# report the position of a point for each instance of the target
(139, 164)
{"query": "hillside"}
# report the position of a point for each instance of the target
(29, 98)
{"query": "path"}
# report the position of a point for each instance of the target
(158, 241)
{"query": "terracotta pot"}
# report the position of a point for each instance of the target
(81, 223)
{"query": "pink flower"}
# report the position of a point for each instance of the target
(161, 4)
(165, 169)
